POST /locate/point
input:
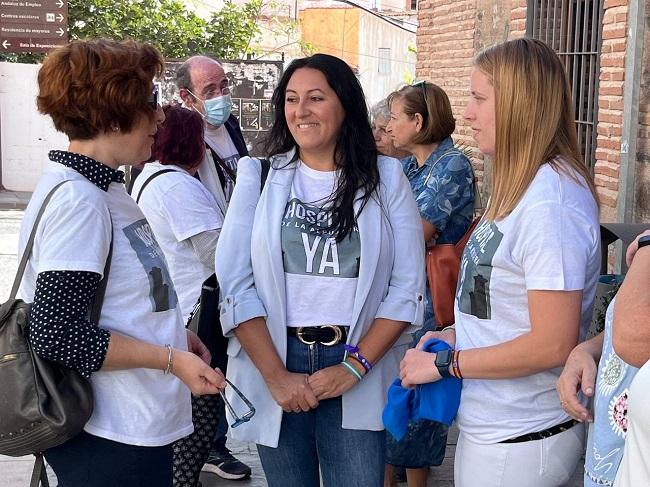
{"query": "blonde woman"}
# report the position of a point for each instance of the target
(527, 280)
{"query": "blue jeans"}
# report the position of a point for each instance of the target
(313, 439)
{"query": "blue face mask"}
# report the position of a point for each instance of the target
(217, 110)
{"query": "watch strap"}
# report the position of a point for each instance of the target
(442, 363)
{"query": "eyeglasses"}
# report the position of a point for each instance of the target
(214, 92)
(423, 85)
(153, 98)
(244, 418)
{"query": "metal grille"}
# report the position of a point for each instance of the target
(573, 28)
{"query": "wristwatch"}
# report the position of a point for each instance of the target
(443, 359)
(643, 241)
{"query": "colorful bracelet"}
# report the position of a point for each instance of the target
(352, 370)
(455, 368)
(353, 351)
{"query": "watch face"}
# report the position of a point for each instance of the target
(443, 358)
(643, 241)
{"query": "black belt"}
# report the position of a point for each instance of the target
(328, 335)
(540, 435)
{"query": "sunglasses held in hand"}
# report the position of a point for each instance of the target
(244, 418)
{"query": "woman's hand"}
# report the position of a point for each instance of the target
(331, 382)
(418, 367)
(293, 392)
(448, 335)
(579, 373)
(197, 347)
(196, 374)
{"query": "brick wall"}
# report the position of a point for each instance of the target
(451, 32)
(610, 106)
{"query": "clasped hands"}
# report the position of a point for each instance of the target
(296, 392)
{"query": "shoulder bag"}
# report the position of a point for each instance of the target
(43, 404)
(443, 265)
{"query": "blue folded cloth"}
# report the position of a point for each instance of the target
(437, 401)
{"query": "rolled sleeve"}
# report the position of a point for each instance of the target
(404, 300)
(239, 299)
(240, 308)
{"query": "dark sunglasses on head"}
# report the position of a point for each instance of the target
(423, 86)
(153, 98)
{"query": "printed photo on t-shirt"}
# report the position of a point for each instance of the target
(308, 248)
(229, 186)
(161, 289)
(473, 289)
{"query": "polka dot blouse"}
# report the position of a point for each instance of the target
(60, 330)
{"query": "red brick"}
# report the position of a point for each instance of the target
(614, 3)
(613, 32)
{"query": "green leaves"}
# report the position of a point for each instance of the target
(167, 24)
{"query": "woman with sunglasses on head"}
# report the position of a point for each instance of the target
(321, 276)
(528, 276)
(442, 183)
(100, 93)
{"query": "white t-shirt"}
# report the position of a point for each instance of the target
(321, 275)
(550, 241)
(219, 140)
(634, 470)
(135, 406)
(178, 206)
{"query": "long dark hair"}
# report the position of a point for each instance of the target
(355, 153)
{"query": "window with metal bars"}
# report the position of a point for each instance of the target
(573, 28)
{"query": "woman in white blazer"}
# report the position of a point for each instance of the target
(329, 256)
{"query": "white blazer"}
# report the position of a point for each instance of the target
(251, 275)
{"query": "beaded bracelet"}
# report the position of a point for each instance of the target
(353, 351)
(352, 370)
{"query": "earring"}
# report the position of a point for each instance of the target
(115, 128)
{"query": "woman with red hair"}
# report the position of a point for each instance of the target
(140, 360)
(186, 220)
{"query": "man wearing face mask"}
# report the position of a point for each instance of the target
(204, 87)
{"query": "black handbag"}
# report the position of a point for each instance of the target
(43, 404)
(204, 318)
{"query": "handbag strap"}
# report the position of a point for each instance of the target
(266, 167)
(433, 165)
(30, 243)
(101, 288)
(39, 473)
(151, 178)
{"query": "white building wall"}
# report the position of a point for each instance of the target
(26, 136)
(374, 34)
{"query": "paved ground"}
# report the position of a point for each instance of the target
(15, 472)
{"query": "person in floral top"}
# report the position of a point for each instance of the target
(442, 182)
(595, 360)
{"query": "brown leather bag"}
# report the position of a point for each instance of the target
(443, 265)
